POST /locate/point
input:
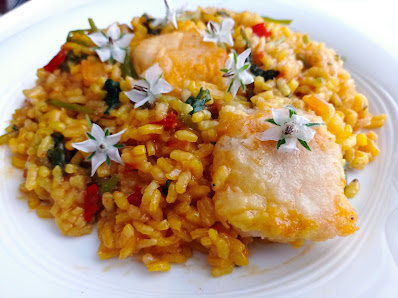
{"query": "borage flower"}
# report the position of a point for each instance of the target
(236, 71)
(219, 34)
(289, 129)
(103, 146)
(171, 16)
(112, 44)
(150, 88)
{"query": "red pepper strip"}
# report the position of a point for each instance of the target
(169, 121)
(92, 202)
(260, 30)
(56, 61)
(136, 197)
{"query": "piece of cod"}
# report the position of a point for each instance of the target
(284, 197)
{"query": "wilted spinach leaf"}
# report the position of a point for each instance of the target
(112, 96)
(200, 100)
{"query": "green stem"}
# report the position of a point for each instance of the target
(70, 106)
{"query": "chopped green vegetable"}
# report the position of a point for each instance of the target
(148, 25)
(305, 62)
(266, 74)
(285, 22)
(14, 127)
(59, 155)
(5, 138)
(222, 13)
(70, 60)
(245, 38)
(69, 37)
(93, 27)
(70, 106)
(128, 66)
(165, 188)
(112, 95)
(200, 100)
(107, 185)
(279, 41)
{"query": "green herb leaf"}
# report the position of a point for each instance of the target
(280, 143)
(90, 124)
(128, 66)
(272, 121)
(285, 22)
(93, 27)
(314, 124)
(118, 145)
(148, 25)
(112, 95)
(71, 59)
(70, 106)
(109, 184)
(200, 100)
(165, 188)
(15, 128)
(90, 156)
(292, 111)
(266, 74)
(245, 38)
(305, 145)
(59, 155)
(90, 136)
(305, 61)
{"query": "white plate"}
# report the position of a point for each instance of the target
(37, 261)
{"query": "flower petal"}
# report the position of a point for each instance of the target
(228, 39)
(98, 159)
(300, 119)
(246, 77)
(161, 87)
(158, 22)
(230, 61)
(142, 102)
(281, 116)
(227, 25)
(99, 39)
(305, 133)
(289, 146)
(242, 58)
(153, 73)
(135, 95)
(124, 42)
(114, 155)
(113, 139)
(271, 134)
(172, 17)
(104, 54)
(97, 132)
(211, 25)
(235, 87)
(209, 38)
(113, 32)
(86, 146)
(118, 54)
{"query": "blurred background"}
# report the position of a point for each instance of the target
(7, 5)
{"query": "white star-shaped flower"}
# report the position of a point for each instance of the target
(237, 71)
(111, 45)
(171, 16)
(289, 129)
(103, 146)
(219, 34)
(150, 88)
